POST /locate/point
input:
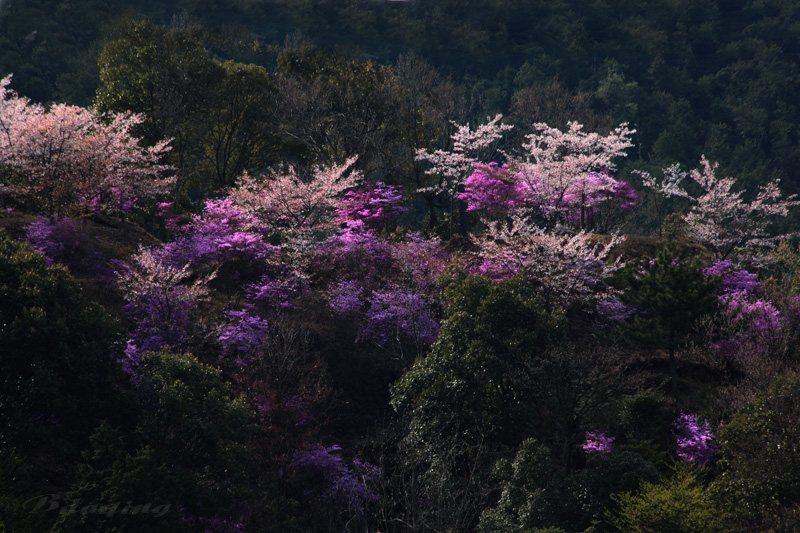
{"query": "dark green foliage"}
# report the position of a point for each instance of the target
(472, 383)
(537, 495)
(20, 491)
(760, 459)
(51, 47)
(669, 293)
(186, 451)
(470, 398)
(646, 417)
(216, 113)
(120, 481)
(58, 357)
(502, 372)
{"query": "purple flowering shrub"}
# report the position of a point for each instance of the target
(418, 263)
(395, 315)
(372, 207)
(243, 332)
(162, 301)
(754, 324)
(344, 297)
(352, 255)
(694, 440)
(391, 288)
(490, 188)
(733, 281)
(172, 221)
(612, 310)
(337, 486)
(598, 442)
(64, 240)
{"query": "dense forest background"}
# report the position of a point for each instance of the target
(712, 77)
(362, 265)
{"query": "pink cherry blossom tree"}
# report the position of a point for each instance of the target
(664, 188)
(723, 221)
(288, 202)
(561, 172)
(469, 147)
(67, 159)
(567, 270)
(454, 166)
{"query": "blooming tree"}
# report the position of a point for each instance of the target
(566, 173)
(453, 167)
(469, 147)
(70, 159)
(567, 270)
(665, 187)
(295, 205)
(720, 218)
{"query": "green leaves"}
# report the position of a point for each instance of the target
(58, 355)
(469, 380)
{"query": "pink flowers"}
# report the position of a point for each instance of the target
(69, 159)
(490, 188)
(598, 442)
(694, 439)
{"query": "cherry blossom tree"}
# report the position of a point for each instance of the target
(560, 171)
(69, 159)
(295, 208)
(722, 220)
(665, 187)
(453, 167)
(469, 147)
(567, 270)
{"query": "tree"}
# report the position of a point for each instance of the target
(453, 167)
(553, 104)
(760, 480)
(721, 220)
(59, 357)
(217, 113)
(185, 452)
(294, 206)
(537, 495)
(663, 189)
(668, 294)
(679, 504)
(564, 271)
(165, 75)
(237, 132)
(559, 173)
(469, 397)
(68, 159)
(332, 106)
(159, 302)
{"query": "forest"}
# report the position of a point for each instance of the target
(368, 266)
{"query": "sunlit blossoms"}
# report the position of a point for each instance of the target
(722, 220)
(70, 159)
